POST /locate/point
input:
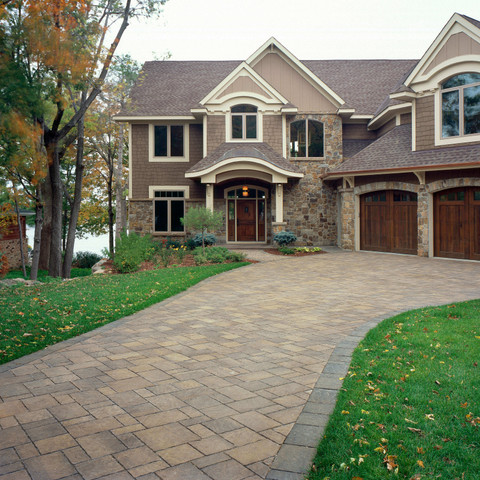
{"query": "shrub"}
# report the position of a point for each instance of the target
(284, 238)
(216, 255)
(85, 259)
(209, 238)
(286, 250)
(190, 244)
(131, 250)
(173, 243)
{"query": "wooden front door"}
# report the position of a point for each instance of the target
(246, 221)
(457, 223)
(388, 221)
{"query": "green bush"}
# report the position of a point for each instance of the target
(286, 250)
(85, 259)
(210, 239)
(131, 250)
(216, 255)
(190, 244)
(284, 238)
(170, 243)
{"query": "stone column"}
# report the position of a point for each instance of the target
(209, 197)
(347, 213)
(423, 222)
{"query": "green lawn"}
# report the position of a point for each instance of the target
(33, 317)
(410, 404)
(43, 274)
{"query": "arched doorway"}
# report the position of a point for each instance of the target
(246, 213)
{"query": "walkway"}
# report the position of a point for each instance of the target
(215, 383)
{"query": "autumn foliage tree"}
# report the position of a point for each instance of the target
(55, 51)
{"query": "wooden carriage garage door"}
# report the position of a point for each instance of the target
(388, 221)
(457, 223)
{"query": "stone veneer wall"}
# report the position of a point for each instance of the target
(310, 205)
(11, 248)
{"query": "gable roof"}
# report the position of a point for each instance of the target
(173, 88)
(393, 152)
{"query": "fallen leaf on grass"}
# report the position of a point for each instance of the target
(389, 462)
(415, 430)
(410, 421)
(420, 450)
(420, 464)
(430, 416)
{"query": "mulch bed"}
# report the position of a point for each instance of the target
(274, 251)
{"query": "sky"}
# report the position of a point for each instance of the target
(310, 29)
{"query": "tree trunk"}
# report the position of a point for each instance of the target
(120, 200)
(46, 230)
(110, 212)
(37, 236)
(77, 199)
(55, 261)
(20, 231)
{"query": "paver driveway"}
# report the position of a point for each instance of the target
(207, 385)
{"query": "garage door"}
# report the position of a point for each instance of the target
(388, 221)
(457, 223)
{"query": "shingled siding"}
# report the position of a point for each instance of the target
(310, 206)
(272, 132)
(215, 131)
(425, 123)
(145, 173)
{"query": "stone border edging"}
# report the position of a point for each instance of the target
(297, 452)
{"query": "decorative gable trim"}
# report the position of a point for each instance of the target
(273, 45)
(265, 92)
(426, 70)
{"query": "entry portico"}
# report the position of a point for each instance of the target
(247, 177)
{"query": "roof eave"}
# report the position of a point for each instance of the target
(382, 171)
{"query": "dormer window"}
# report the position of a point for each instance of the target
(244, 122)
(461, 105)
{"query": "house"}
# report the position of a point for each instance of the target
(10, 236)
(379, 155)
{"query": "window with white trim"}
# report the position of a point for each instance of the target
(461, 105)
(306, 139)
(244, 122)
(168, 209)
(168, 141)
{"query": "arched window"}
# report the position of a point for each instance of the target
(461, 105)
(306, 139)
(244, 122)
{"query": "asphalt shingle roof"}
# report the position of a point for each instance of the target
(393, 151)
(258, 150)
(174, 87)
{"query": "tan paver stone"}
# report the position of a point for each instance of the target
(211, 445)
(10, 408)
(99, 467)
(49, 467)
(149, 468)
(20, 475)
(93, 426)
(180, 454)
(201, 431)
(182, 472)
(68, 411)
(12, 437)
(8, 422)
(53, 444)
(242, 436)
(166, 436)
(137, 456)
(76, 455)
(100, 444)
(229, 469)
(256, 421)
(254, 452)
(26, 451)
(162, 418)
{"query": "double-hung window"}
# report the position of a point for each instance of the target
(169, 208)
(461, 105)
(306, 139)
(244, 122)
(168, 141)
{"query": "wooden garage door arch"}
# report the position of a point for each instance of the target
(457, 223)
(388, 221)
